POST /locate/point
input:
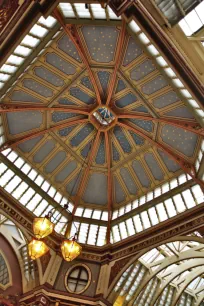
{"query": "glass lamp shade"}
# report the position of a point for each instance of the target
(70, 249)
(42, 227)
(37, 248)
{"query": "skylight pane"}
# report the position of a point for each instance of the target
(19, 162)
(161, 211)
(27, 196)
(98, 11)
(4, 77)
(137, 223)
(12, 156)
(143, 38)
(170, 72)
(193, 103)
(189, 200)
(40, 208)
(96, 214)
(153, 216)
(49, 22)
(2, 140)
(185, 27)
(130, 227)
(104, 216)
(182, 179)
(161, 61)
(200, 11)
(134, 27)
(82, 11)
(123, 230)
(6, 152)
(179, 203)
(112, 15)
(20, 190)
(79, 211)
(116, 235)
(145, 219)
(32, 175)
(153, 50)
(38, 31)
(115, 215)
(30, 41)
(45, 186)
(2, 168)
(51, 191)
(170, 208)
(67, 10)
(16, 60)
(193, 21)
(13, 184)
(6, 177)
(8, 68)
(92, 234)
(34, 202)
(20, 50)
(83, 232)
(165, 188)
(58, 197)
(135, 204)
(178, 83)
(186, 93)
(1, 85)
(101, 235)
(87, 213)
(157, 192)
(39, 180)
(198, 194)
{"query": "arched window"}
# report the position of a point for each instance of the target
(4, 273)
(77, 279)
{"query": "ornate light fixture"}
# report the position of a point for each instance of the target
(37, 248)
(70, 249)
(42, 227)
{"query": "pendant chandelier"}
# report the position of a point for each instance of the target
(43, 227)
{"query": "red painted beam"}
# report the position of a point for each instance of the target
(17, 141)
(71, 31)
(110, 199)
(85, 175)
(191, 126)
(6, 108)
(184, 164)
(118, 58)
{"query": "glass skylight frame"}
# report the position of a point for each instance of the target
(170, 74)
(26, 47)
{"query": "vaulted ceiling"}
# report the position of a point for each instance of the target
(99, 118)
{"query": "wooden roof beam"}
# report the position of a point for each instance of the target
(19, 140)
(184, 164)
(85, 175)
(8, 108)
(118, 59)
(71, 31)
(191, 126)
(110, 187)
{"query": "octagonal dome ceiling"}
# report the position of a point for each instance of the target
(104, 126)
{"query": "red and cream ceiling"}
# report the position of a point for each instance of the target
(99, 118)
